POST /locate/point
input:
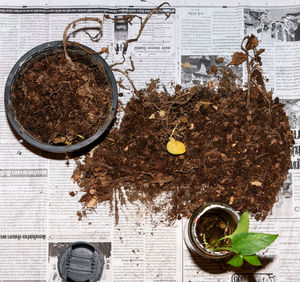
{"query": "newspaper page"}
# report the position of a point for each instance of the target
(39, 201)
(278, 31)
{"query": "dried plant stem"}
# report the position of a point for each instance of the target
(128, 78)
(256, 67)
(143, 23)
(127, 42)
(261, 91)
(253, 65)
(131, 64)
(73, 25)
(118, 63)
(249, 82)
(177, 123)
(126, 18)
(248, 70)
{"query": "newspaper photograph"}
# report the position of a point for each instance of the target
(273, 24)
(197, 69)
(43, 205)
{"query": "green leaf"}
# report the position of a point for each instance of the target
(252, 260)
(237, 260)
(250, 243)
(243, 225)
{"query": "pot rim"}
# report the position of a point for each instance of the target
(21, 63)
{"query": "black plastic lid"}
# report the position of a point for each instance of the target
(80, 262)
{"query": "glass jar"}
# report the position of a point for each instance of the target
(224, 216)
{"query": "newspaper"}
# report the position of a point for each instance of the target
(38, 215)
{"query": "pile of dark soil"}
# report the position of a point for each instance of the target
(60, 103)
(238, 151)
(238, 145)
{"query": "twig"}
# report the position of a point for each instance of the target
(248, 70)
(181, 171)
(131, 64)
(126, 18)
(118, 63)
(257, 67)
(249, 82)
(120, 83)
(129, 79)
(177, 123)
(242, 44)
(261, 91)
(143, 23)
(95, 38)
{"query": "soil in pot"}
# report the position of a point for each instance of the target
(60, 103)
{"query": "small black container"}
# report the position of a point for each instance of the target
(80, 262)
(37, 54)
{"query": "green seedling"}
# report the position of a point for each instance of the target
(244, 244)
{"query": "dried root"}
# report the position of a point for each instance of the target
(97, 37)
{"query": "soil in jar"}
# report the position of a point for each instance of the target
(214, 225)
(60, 103)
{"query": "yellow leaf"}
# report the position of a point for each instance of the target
(92, 202)
(211, 84)
(256, 183)
(152, 116)
(59, 140)
(175, 147)
(162, 113)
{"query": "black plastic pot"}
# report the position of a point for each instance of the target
(37, 54)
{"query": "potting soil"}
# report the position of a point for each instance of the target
(235, 154)
(61, 103)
